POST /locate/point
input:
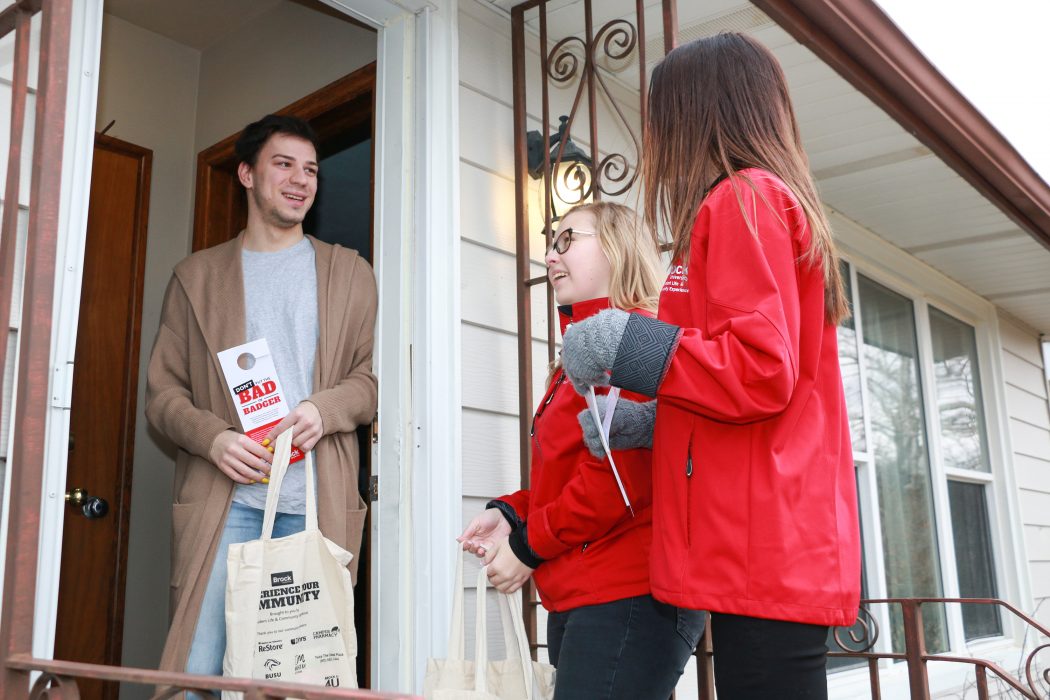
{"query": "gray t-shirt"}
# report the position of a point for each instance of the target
(280, 304)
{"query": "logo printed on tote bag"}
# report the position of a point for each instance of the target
(270, 646)
(331, 681)
(281, 578)
(326, 634)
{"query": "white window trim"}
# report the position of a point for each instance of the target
(888, 265)
(417, 356)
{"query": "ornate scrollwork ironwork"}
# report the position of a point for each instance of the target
(576, 184)
(574, 57)
(863, 633)
(1038, 681)
(615, 169)
(53, 687)
(562, 63)
(617, 39)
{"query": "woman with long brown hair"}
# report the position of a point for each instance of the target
(755, 512)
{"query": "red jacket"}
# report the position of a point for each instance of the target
(755, 496)
(575, 518)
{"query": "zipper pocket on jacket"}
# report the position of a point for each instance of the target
(689, 493)
(543, 406)
(583, 549)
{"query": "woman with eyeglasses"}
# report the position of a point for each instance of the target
(572, 530)
(755, 508)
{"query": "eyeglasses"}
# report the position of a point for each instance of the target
(561, 244)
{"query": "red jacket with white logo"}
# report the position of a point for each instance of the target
(755, 498)
(574, 516)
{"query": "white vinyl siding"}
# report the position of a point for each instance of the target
(1029, 419)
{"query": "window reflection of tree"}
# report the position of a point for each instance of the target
(898, 438)
(849, 363)
(959, 405)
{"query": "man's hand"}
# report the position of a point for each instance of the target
(483, 531)
(240, 458)
(305, 422)
(506, 572)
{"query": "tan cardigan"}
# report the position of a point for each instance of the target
(187, 401)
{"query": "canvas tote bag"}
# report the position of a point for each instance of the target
(516, 678)
(290, 601)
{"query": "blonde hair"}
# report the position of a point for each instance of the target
(634, 260)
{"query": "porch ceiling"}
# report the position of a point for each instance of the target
(196, 23)
(867, 166)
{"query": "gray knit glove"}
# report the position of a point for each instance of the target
(589, 348)
(631, 427)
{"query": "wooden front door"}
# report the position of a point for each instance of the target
(102, 420)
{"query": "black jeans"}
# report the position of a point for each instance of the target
(758, 659)
(632, 649)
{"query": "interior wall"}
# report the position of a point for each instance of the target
(271, 62)
(159, 115)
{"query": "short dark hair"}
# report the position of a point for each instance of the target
(256, 134)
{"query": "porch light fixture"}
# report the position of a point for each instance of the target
(571, 180)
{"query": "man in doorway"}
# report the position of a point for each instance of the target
(315, 304)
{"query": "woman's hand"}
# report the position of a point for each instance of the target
(631, 427)
(506, 572)
(589, 348)
(486, 528)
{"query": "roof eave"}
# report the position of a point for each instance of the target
(860, 42)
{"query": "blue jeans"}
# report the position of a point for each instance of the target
(243, 524)
(630, 649)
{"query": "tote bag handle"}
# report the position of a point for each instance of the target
(282, 453)
(513, 632)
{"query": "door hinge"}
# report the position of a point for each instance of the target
(62, 386)
(373, 488)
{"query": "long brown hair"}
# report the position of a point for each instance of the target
(719, 105)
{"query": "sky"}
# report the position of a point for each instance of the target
(997, 54)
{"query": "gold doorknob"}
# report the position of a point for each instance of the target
(76, 496)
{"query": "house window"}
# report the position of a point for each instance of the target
(916, 413)
(964, 452)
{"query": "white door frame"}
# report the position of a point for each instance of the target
(85, 42)
(417, 346)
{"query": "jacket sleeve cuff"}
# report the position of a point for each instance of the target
(644, 354)
(508, 512)
(519, 544)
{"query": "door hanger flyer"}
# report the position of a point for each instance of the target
(257, 394)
